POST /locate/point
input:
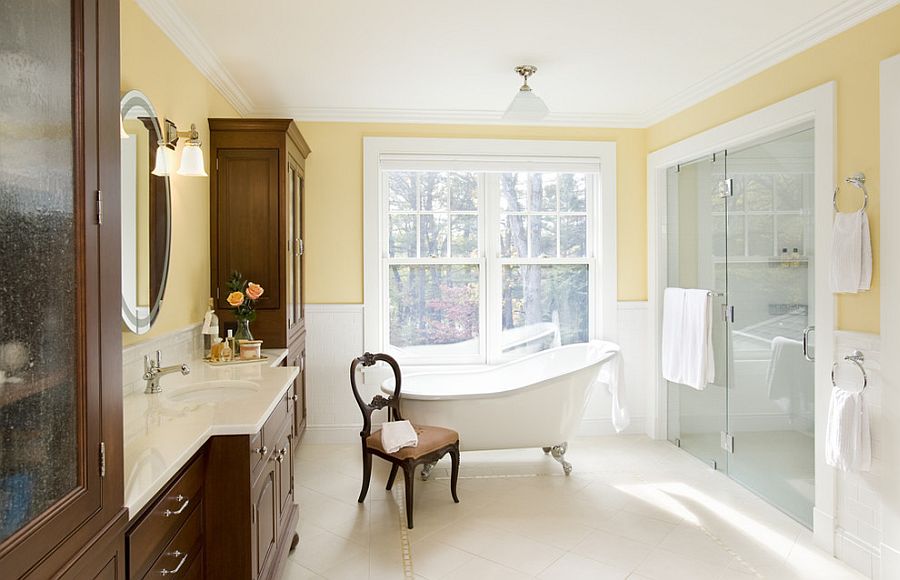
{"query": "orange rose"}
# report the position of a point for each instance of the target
(235, 299)
(254, 291)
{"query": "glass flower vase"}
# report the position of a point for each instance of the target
(243, 330)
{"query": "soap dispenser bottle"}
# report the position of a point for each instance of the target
(210, 327)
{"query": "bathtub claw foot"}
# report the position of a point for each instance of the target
(426, 470)
(559, 453)
(546, 450)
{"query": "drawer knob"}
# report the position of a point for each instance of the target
(281, 455)
(175, 554)
(294, 398)
(261, 450)
(169, 513)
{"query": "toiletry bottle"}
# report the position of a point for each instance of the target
(795, 255)
(784, 258)
(227, 352)
(210, 327)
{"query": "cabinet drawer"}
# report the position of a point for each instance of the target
(178, 557)
(164, 518)
(258, 455)
(274, 425)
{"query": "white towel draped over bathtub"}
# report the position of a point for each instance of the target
(687, 348)
(851, 253)
(613, 374)
(396, 435)
(848, 442)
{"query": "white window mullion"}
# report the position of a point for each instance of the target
(494, 294)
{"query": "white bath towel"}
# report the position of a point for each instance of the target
(789, 372)
(848, 443)
(851, 253)
(396, 435)
(613, 374)
(687, 348)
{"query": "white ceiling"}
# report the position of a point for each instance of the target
(600, 62)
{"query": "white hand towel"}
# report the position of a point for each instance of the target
(851, 253)
(673, 318)
(848, 443)
(396, 435)
(613, 374)
(687, 348)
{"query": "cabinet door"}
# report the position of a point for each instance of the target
(50, 481)
(285, 471)
(248, 225)
(265, 518)
(297, 219)
(292, 246)
(297, 358)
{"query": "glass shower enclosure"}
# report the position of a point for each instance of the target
(740, 224)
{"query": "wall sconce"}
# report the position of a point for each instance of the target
(191, 156)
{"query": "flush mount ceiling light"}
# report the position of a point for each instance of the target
(526, 106)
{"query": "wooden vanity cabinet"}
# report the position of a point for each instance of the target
(61, 480)
(254, 471)
(257, 184)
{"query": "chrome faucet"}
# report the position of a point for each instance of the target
(153, 372)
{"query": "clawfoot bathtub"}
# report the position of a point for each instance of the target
(535, 401)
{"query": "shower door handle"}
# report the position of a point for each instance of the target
(806, 354)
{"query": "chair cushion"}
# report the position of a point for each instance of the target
(430, 439)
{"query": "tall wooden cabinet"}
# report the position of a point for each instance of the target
(61, 483)
(256, 224)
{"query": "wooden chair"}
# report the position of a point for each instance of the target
(434, 442)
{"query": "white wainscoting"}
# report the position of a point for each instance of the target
(335, 336)
(858, 533)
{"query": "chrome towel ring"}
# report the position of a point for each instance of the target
(857, 358)
(859, 181)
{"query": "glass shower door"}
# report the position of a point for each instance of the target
(770, 288)
(696, 226)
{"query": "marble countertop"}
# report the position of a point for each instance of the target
(163, 431)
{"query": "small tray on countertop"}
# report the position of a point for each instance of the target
(240, 361)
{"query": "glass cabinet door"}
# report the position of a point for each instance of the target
(291, 249)
(297, 218)
(49, 480)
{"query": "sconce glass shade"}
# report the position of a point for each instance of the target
(123, 134)
(526, 106)
(192, 161)
(163, 163)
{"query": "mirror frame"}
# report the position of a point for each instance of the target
(160, 241)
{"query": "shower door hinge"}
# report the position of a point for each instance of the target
(726, 188)
(102, 459)
(727, 313)
(677, 442)
(726, 441)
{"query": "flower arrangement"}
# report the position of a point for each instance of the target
(242, 296)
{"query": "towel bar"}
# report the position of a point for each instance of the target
(858, 180)
(857, 358)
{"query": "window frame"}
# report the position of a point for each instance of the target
(599, 156)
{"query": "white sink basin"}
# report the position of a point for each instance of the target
(214, 392)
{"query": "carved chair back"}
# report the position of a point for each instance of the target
(378, 402)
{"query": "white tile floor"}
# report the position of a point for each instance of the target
(632, 509)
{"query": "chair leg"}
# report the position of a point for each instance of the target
(409, 474)
(390, 482)
(454, 474)
(367, 475)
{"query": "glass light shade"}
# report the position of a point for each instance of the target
(526, 106)
(163, 165)
(192, 161)
(123, 134)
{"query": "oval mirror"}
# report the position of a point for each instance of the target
(146, 214)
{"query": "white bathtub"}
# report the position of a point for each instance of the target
(536, 401)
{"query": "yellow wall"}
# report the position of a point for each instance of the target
(334, 202)
(151, 63)
(851, 59)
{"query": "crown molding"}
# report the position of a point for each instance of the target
(842, 17)
(445, 116)
(171, 20)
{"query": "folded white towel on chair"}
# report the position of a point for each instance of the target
(396, 435)
(848, 442)
(851, 253)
